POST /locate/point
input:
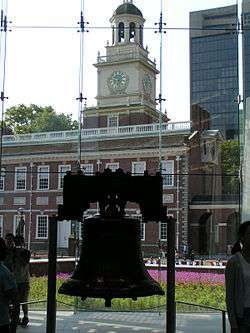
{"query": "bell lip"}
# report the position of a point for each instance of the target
(97, 216)
(72, 287)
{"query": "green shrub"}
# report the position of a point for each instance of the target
(197, 293)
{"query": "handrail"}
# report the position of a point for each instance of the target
(125, 56)
(34, 302)
(144, 129)
(200, 305)
(223, 312)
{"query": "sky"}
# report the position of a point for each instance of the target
(42, 64)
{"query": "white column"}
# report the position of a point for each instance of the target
(245, 216)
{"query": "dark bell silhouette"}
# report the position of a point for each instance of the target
(111, 263)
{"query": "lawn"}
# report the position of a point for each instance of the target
(198, 288)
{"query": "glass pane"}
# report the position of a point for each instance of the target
(175, 102)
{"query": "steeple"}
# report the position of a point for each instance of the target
(127, 23)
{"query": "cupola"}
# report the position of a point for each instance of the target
(127, 24)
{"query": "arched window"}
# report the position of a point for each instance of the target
(132, 32)
(113, 35)
(121, 32)
(204, 235)
(141, 35)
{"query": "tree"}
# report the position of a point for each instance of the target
(230, 163)
(33, 118)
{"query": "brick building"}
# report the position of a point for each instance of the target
(122, 131)
(213, 213)
(33, 175)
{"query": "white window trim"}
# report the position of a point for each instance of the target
(113, 116)
(3, 174)
(110, 163)
(89, 164)
(60, 174)
(160, 233)
(16, 172)
(166, 171)
(137, 162)
(15, 223)
(142, 225)
(38, 177)
(1, 225)
(80, 227)
(163, 239)
(37, 218)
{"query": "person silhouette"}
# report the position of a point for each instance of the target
(22, 276)
(237, 280)
(8, 295)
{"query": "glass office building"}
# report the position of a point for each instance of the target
(214, 67)
(246, 47)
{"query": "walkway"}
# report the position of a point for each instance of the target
(117, 322)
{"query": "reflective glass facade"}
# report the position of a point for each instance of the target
(246, 47)
(214, 67)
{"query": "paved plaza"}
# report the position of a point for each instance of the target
(122, 322)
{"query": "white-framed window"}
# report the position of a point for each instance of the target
(19, 225)
(168, 172)
(2, 179)
(142, 226)
(42, 226)
(88, 168)
(77, 228)
(62, 170)
(163, 231)
(20, 178)
(1, 225)
(112, 166)
(143, 230)
(43, 177)
(113, 121)
(138, 168)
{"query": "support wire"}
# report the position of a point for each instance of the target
(80, 97)
(161, 31)
(3, 56)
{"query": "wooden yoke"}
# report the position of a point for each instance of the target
(112, 190)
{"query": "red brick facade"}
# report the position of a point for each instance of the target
(125, 150)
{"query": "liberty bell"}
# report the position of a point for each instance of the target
(111, 263)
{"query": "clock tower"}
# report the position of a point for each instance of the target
(126, 76)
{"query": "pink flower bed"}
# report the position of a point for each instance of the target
(190, 277)
(181, 277)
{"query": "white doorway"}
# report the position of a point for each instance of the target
(64, 228)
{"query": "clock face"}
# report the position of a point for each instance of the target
(118, 82)
(147, 84)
